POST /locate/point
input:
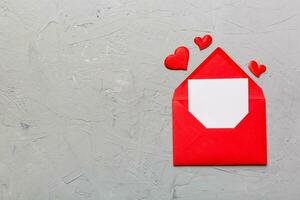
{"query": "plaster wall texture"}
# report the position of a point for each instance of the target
(85, 101)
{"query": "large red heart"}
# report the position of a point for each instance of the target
(203, 42)
(256, 69)
(179, 60)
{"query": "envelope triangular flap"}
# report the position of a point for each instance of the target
(217, 65)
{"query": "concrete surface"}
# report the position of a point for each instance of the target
(85, 101)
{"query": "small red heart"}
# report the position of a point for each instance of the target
(203, 42)
(179, 60)
(256, 69)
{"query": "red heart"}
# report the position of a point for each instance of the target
(203, 42)
(179, 60)
(256, 69)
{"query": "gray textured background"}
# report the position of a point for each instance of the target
(85, 101)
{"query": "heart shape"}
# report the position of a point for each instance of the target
(203, 42)
(179, 60)
(256, 69)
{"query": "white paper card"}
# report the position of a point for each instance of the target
(218, 103)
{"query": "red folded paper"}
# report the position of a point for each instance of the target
(194, 144)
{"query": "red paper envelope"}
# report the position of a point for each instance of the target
(236, 135)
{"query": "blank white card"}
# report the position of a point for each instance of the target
(218, 103)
